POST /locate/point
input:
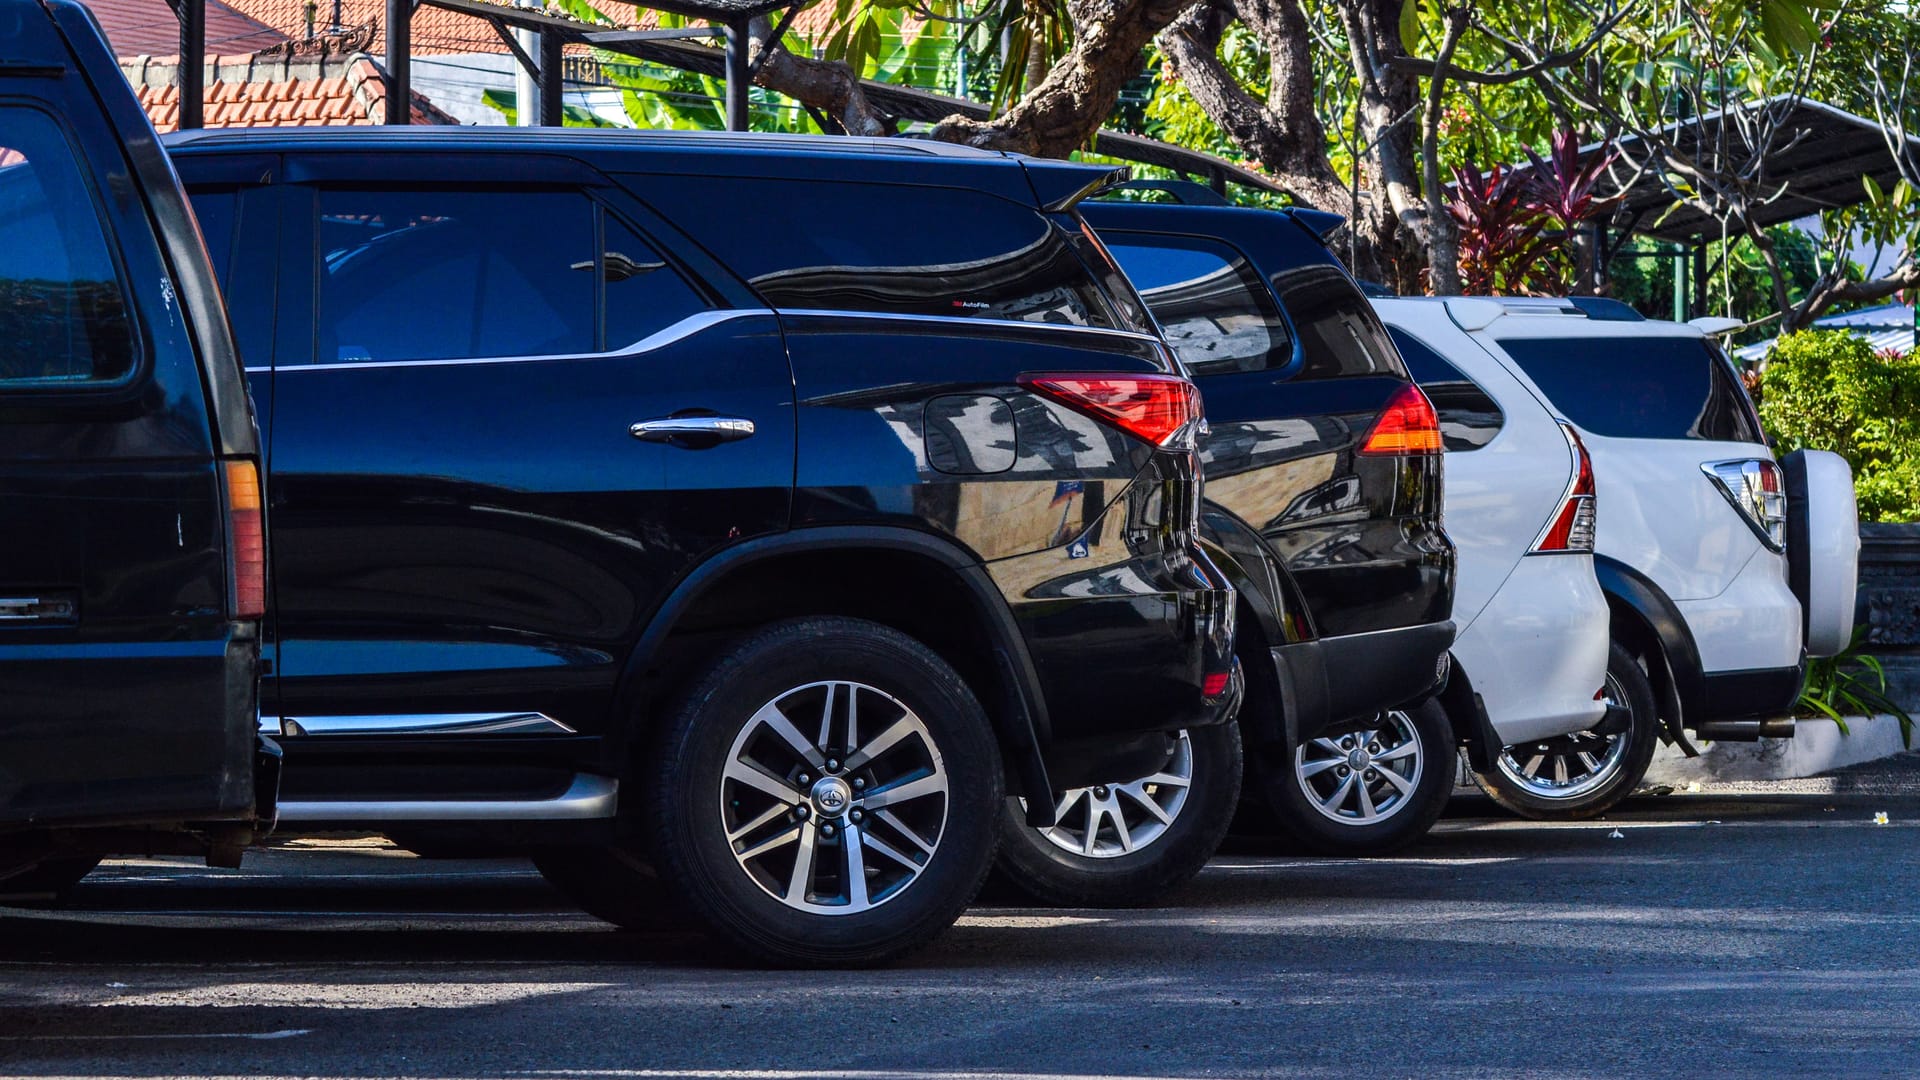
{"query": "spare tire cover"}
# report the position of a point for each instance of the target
(1823, 547)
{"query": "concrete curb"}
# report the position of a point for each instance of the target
(1816, 747)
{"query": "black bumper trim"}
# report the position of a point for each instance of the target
(1758, 692)
(1384, 669)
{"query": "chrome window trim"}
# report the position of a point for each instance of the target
(962, 320)
(696, 323)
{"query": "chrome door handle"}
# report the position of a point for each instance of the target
(693, 432)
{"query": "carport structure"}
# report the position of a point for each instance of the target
(1811, 159)
(673, 48)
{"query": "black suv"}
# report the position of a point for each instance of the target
(1323, 473)
(131, 564)
(666, 503)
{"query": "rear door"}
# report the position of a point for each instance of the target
(479, 494)
(127, 676)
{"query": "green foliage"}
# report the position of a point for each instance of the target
(503, 101)
(1827, 390)
(1740, 284)
(1851, 684)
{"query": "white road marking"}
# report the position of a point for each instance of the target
(284, 1033)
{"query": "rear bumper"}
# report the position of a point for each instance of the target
(1755, 694)
(1366, 673)
(1537, 653)
(1129, 625)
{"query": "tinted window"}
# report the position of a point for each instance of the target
(1215, 310)
(643, 294)
(216, 210)
(1469, 419)
(1338, 332)
(245, 270)
(890, 248)
(440, 275)
(1640, 387)
(63, 314)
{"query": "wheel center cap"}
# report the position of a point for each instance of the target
(1358, 759)
(831, 796)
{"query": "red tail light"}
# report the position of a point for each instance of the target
(1409, 426)
(246, 531)
(1215, 683)
(1162, 409)
(1571, 528)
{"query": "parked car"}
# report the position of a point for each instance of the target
(1533, 664)
(1322, 499)
(1723, 568)
(131, 566)
(746, 563)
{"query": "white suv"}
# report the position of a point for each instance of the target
(1723, 569)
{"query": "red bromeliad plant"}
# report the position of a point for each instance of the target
(1502, 248)
(1562, 185)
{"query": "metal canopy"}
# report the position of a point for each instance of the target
(1823, 153)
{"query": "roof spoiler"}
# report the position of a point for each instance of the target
(1320, 223)
(1058, 185)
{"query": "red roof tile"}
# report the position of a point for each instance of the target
(150, 28)
(249, 91)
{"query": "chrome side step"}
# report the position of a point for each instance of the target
(587, 798)
(515, 723)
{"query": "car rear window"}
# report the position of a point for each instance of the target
(889, 248)
(1640, 387)
(1216, 312)
(1469, 417)
(63, 312)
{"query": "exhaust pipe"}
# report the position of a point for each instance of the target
(1745, 730)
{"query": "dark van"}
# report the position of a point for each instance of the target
(132, 560)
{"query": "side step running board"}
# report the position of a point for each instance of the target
(587, 798)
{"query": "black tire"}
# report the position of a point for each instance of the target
(1627, 684)
(1405, 816)
(614, 884)
(46, 883)
(1041, 868)
(912, 897)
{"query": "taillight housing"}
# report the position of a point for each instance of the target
(1757, 488)
(1408, 426)
(1570, 529)
(1161, 409)
(246, 540)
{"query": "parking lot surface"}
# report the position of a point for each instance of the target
(1770, 931)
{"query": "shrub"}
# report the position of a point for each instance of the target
(1828, 390)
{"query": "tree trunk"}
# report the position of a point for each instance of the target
(827, 85)
(1063, 112)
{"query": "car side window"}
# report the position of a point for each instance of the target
(1216, 312)
(981, 256)
(1339, 334)
(64, 322)
(643, 293)
(1469, 417)
(454, 274)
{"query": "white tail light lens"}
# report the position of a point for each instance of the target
(1756, 488)
(1570, 530)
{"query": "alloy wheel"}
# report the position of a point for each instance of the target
(1362, 777)
(1105, 821)
(1568, 766)
(834, 797)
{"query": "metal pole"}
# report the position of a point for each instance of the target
(526, 84)
(551, 114)
(737, 77)
(1699, 279)
(399, 62)
(193, 64)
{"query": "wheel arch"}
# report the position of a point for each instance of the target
(1645, 620)
(912, 581)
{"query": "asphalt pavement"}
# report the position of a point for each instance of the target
(1752, 932)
